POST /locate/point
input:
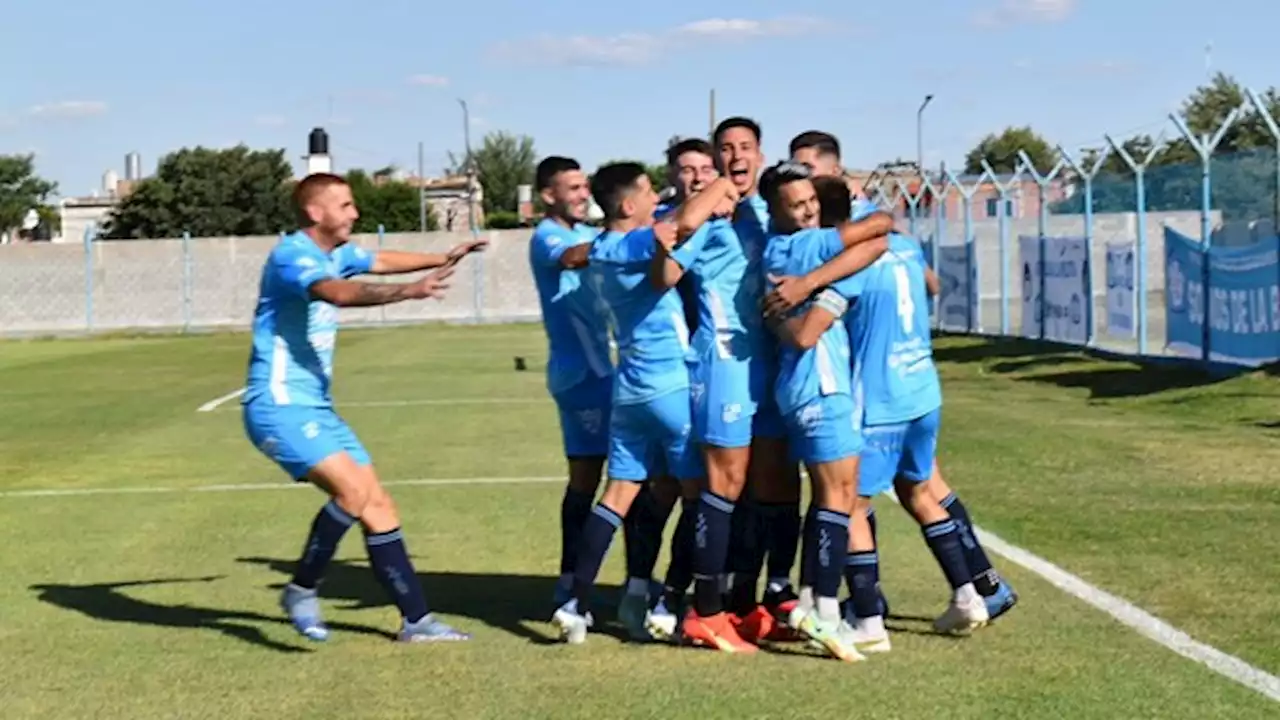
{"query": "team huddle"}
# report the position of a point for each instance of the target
(810, 346)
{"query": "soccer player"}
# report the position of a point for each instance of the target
(580, 379)
(288, 412)
(820, 151)
(767, 522)
(895, 377)
(815, 394)
(650, 422)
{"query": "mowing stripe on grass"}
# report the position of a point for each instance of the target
(1146, 624)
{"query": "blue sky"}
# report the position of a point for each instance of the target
(88, 82)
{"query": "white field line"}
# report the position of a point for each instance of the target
(1126, 613)
(1146, 624)
(219, 402)
(214, 403)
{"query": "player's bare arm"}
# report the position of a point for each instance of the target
(575, 258)
(665, 273)
(789, 292)
(717, 199)
(395, 262)
(931, 282)
(351, 293)
(803, 331)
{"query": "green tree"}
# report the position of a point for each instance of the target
(503, 162)
(209, 193)
(1001, 151)
(393, 204)
(21, 190)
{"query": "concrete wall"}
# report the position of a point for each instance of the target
(213, 282)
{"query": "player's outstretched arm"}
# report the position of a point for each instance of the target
(803, 331)
(351, 293)
(395, 262)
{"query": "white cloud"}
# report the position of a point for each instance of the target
(1025, 12)
(69, 109)
(429, 80)
(641, 48)
(270, 120)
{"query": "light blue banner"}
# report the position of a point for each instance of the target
(958, 297)
(1244, 300)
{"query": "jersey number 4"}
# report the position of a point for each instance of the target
(906, 308)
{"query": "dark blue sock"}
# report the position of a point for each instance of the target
(745, 555)
(862, 574)
(711, 546)
(985, 578)
(597, 534)
(331, 523)
(574, 509)
(831, 546)
(390, 561)
(806, 547)
(944, 541)
(782, 537)
(680, 571)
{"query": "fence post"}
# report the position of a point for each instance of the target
(1087, 175)
(904, 191)
(1002, 195)
(1140, 244)
(971, 266)
(186, 282)
(382, 309)
(1204, 147)
(90, 234)
(1042, 221)
(937, 197)
(1261, 108)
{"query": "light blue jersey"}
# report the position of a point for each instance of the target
(648, 323)
(889, 329)
(572, 314)
(863, 208)
(823, 370)
(294, 334)
(751, 222)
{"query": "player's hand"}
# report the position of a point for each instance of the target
(462, 250)
(665, 233)
(726, 207)
(433, 284)
(788, 292)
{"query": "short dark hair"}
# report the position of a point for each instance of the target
(612, 183)
(688, 145)
(824, 143)
(736, 121)
(307, 190)
(834, 199)
(552, 166)
(775, 177)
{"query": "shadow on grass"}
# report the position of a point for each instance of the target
(1120, 377)
(516, 604)
(109, 603)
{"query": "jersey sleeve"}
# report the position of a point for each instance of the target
(298, 269)
(639, 245)
(354, 260)
(547, 247)
(863, 208)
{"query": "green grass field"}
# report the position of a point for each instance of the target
(1156, 485)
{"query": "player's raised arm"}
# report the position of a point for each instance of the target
(718, 198)
(395, 262)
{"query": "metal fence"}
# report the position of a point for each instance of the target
(1132, 253)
